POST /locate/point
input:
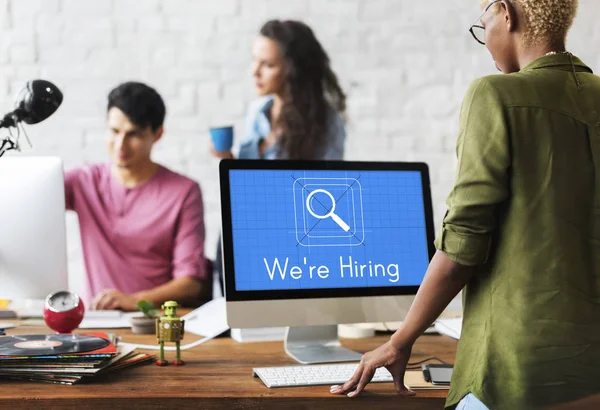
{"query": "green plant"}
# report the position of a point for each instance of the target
(147, 308)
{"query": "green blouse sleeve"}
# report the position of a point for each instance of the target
(482, 177)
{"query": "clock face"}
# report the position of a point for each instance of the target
(63, 301)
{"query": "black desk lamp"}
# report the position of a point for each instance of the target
(35, 102)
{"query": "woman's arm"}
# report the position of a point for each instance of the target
(442, 282)
(220, 154)
(250, 139)
(336, 137)
(589, 403)
(465, 240)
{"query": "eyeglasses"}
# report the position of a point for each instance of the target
(477, 30)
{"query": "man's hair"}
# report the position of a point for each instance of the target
(141, 103)
(547, 20)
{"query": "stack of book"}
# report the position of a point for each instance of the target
(65, 359)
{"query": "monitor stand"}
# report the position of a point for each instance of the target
(317, 344)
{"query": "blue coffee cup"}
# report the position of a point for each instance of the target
(222, 138)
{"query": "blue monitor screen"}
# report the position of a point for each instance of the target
(319, 229)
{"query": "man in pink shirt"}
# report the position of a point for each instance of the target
(142, 226)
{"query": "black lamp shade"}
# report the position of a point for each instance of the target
(37, 101)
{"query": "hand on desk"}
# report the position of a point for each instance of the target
(113, 299)
(387, 356)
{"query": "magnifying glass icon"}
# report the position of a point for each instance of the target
(330, 214)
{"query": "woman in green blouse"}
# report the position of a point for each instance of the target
(522, 231)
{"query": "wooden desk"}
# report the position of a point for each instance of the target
(217, 374)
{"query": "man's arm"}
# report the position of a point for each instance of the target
(71, 185)
(182, 290)
(191, 277)
(189, 263)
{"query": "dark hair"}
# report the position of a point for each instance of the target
(311, 89)
(141, 103)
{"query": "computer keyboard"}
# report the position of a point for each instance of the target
(313, 375)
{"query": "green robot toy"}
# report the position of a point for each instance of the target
(169, 328)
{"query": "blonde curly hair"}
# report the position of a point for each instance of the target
(546, 20)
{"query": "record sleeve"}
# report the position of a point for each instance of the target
(44, 345)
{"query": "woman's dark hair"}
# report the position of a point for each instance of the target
(311, 88)
(140, 103)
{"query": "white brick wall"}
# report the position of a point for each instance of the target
(405, 65)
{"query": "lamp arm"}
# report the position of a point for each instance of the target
(6, 145)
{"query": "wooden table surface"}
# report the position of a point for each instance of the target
(217, 374)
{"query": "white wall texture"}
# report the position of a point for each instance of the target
(404, 64)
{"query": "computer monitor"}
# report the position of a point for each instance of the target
(33, 256)
(312, 244)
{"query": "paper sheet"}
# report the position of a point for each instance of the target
(107, 319)
(209, 320)
(449, 327)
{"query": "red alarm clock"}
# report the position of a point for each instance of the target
(63, 311)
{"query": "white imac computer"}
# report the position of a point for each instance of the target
(312, 244)
(33, 256)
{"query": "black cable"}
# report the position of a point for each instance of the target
(416, 365)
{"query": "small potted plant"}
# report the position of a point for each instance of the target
(145, 324)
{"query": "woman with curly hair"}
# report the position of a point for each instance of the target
(522, 231)
(298, 114)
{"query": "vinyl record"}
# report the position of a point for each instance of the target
(43, 345)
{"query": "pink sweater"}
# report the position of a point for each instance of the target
(136, 239)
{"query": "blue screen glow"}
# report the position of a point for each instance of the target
(327, 229)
